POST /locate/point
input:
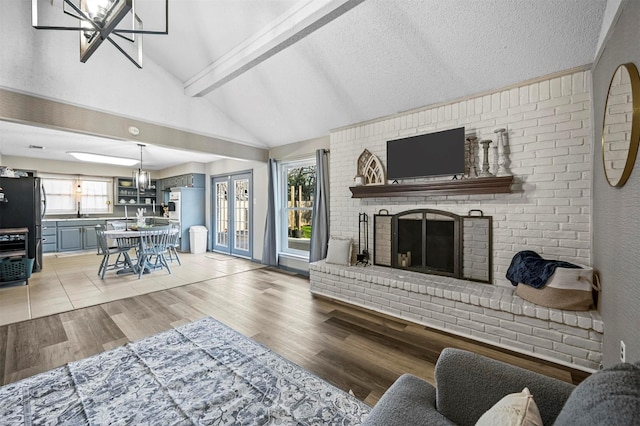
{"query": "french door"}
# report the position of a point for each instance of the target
(232, 214)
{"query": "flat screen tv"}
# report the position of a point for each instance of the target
(431, 154)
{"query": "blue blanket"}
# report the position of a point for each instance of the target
(528, 267)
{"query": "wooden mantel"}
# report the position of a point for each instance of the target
(486, 185)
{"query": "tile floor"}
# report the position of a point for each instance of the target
(70, 281)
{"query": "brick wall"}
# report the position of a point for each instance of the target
(550, 144)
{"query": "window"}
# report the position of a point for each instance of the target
(298, 187)
(67, 194)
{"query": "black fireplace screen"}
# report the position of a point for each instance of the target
(435, 242)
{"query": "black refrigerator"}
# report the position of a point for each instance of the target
(23, 206)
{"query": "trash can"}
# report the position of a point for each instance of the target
(198, 239)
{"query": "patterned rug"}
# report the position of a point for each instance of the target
(201, 373)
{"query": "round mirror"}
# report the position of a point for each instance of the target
(621, 125)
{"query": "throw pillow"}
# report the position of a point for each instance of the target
(516, 409)
(339, 251)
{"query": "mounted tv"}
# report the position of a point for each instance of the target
(431, 154)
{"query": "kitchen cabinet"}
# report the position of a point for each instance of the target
(127, 193)
(191, 180)
(195, 180)
(77, 235)
(49, 236)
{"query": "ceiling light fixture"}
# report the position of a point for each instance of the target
(99, 19)
(141, 177)
(105, 159)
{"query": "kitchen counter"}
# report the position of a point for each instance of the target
(78, 233)
(66, 219)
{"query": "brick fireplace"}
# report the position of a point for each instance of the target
(548, 133)
(547, 210)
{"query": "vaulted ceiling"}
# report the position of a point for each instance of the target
(284, 71)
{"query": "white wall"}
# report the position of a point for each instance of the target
(549, 129)
(181, 169)
(303, 149)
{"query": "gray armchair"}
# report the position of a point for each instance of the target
(469, 384)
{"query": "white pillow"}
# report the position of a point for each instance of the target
(339, 251)
(516, 409)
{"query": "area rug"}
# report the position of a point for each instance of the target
(200, 373)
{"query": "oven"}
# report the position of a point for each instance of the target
(174, 206)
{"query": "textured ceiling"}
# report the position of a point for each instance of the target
(385, 56)
(348, 61)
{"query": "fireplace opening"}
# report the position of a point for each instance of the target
(426, 241)
(435, 242)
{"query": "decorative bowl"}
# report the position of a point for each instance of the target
(125, 183)
(123, 201)
(132, 201)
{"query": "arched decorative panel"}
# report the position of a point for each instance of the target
(370, 167)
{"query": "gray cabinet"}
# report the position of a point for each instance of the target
(89, 237)
(128, 194)
(77, 235)
(190, 180)
(194, 180)
(69, 238)
(49, 236)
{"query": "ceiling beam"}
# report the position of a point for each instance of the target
(36, 111)
(300, 21)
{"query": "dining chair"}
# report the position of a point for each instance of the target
(106, 250)
(174, 242)
(116, 225)
(153, 248)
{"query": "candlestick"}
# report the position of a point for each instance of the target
(471, 171)
(153, 207)
(485, 163)
(125, 213)
(503, 153)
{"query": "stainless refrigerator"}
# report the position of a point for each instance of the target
(23, 206)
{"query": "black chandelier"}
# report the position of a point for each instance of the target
(102, 19)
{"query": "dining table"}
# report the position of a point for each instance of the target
(130, 238)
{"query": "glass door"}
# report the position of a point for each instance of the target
(232, 213)
(221, 214)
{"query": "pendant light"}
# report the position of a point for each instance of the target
(103, 20)
(141, 178)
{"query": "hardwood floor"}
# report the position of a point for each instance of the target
(354, 349)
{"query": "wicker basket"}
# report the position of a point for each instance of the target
(15, 269)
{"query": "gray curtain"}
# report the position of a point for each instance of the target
(270, 246)
(320, 221)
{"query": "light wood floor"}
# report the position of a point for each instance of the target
(354, 349)
(70, 281)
